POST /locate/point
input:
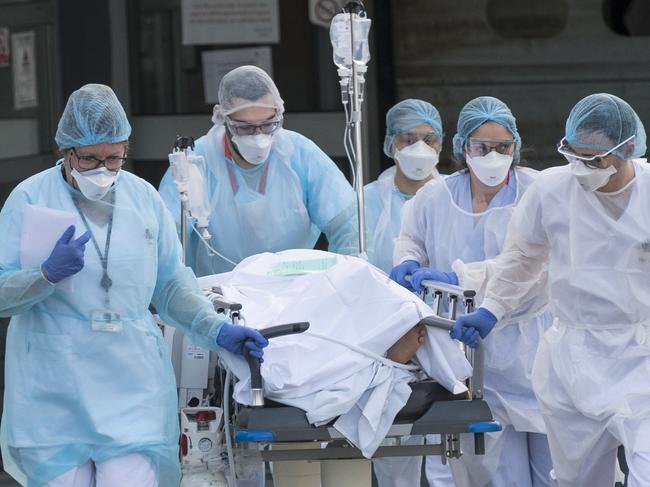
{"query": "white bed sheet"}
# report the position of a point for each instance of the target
(355, 303)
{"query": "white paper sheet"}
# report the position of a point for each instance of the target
(23, 47)
(228, 22)
(42, 227)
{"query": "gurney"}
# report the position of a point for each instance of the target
(307, 454)
(430, 410)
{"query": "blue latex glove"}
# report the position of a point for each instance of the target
(425, 273)
(469, 327)
(67, 257)
(235, 338)
(400, 271)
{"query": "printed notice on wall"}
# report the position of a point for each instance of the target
(217, 63)
(230, 22)
(4, 47)
(24, 70)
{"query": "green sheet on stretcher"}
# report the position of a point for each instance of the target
(300, 267)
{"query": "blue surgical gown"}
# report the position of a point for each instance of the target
(73, 394)
(281, 204)
(383, 203)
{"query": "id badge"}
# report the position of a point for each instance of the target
(106, 321)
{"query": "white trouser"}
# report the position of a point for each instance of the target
(407, 471)
(512, 459)
(598, 468)
(592, 387)
(132, 470)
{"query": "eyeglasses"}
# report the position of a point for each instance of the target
(88, 163)
(410, 138)
(267, 127)
(482, 147)
(593, 162)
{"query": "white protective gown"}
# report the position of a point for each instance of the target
(440, 231)
(591, 371)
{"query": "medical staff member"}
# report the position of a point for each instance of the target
(413, 139)
(90, 395)
(589, 222)
(270, 189)
(445, 228)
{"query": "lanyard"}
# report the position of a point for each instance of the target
(106, 282)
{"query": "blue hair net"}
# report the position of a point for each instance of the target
(603, 121)
(408, 114)
(478, 111)
(93, 115)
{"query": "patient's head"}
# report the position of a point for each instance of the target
(404, 349)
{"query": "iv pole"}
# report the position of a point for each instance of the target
(351, 56)
(180, 149)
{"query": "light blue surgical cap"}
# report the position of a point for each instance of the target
(603, 121)
(476, 113)
(93, 115)
(408, 114)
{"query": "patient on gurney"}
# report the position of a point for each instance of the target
(404, 349)
(363, 348)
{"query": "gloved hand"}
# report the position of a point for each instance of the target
(235, 338)
(67, 257)
(400, 271)
(424, 273)
(468, 327)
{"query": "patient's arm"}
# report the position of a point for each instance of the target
(404, 349)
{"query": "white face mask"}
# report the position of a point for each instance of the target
(417, 161)
(94, 184)
(590, 179)
(254, 149)
(490, 169)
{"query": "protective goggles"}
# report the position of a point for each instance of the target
(409, 138)
(593, 162)
(267, 127)
(482, 147)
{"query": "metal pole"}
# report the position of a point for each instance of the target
(184, 230)
(478, 360)
(358, 144)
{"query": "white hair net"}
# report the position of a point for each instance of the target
(244, 87)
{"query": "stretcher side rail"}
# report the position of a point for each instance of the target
(476, 356)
